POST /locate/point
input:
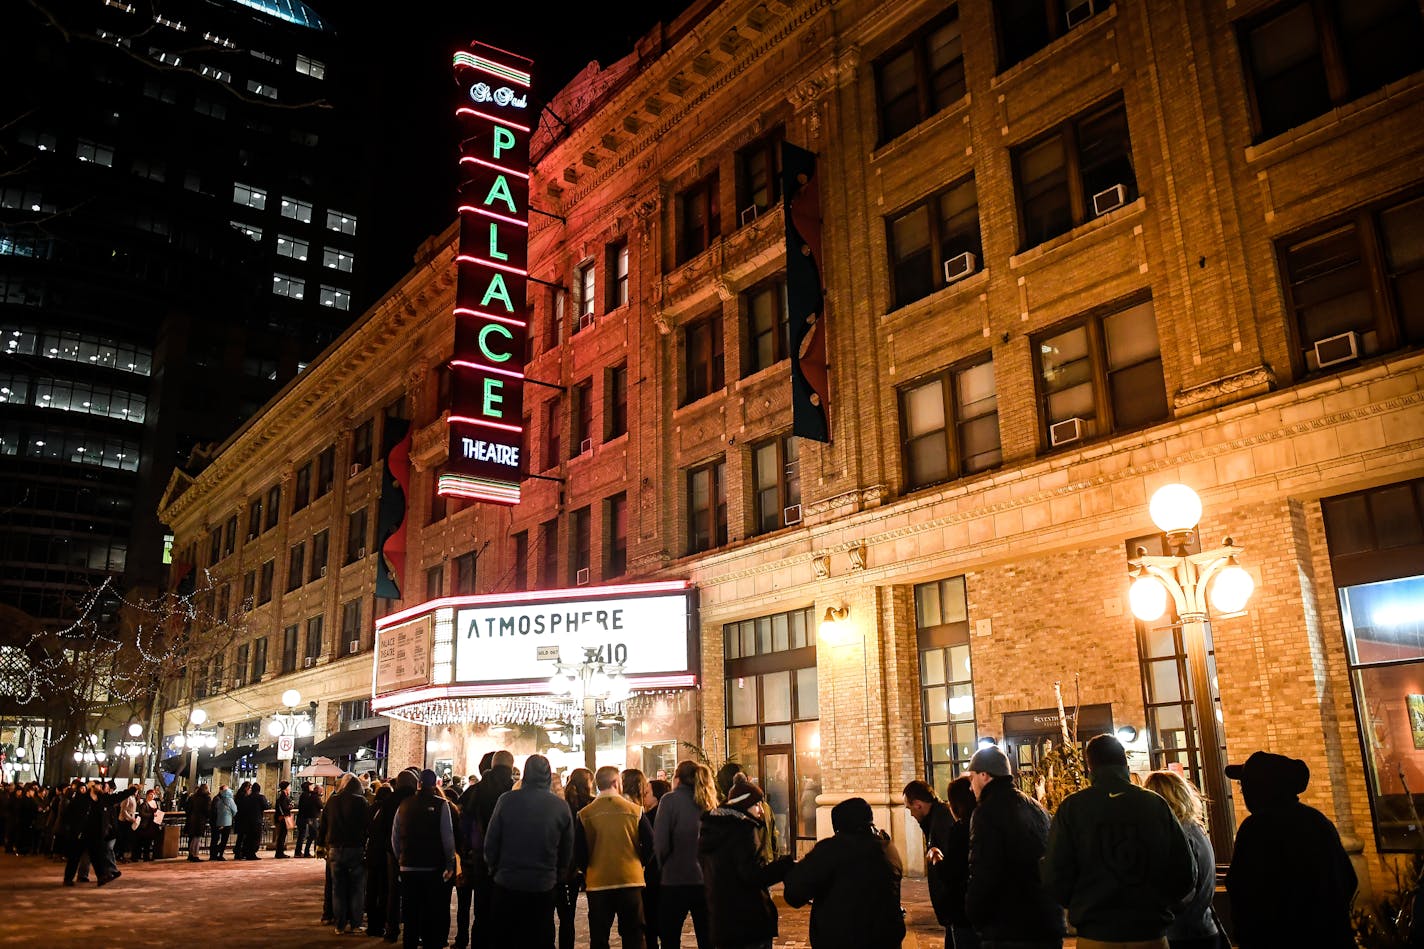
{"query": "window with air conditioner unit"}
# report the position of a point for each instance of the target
(959, 267)
(355, 470)
(776, 483)
(582, 577)
(353, 646)
(586, 445)
(748, 215)
(1334, 350)
(308, 661)
(360, 553)
(1076, 13)
(1109, 199)
(1067, 431)
(323, 571)
(791, 515)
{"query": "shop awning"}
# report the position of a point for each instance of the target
(178, 764)
(227, 759)
(268, 755)
(346, 742)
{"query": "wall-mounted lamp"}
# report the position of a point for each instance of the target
(1127, 734)
(833, 618)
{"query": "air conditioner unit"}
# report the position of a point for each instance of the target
(749, 214)
(238, 683)
(585, 445)
(957, 268)
(1109, 200)
(1067, 431)
(360, 553)
(791, 515)
(1076, 13)
(1334, 350)
(581, 577)
(585, 320)
(353, 646)
(323, 571)
(355, 470)
(251, 535)
(308, 661)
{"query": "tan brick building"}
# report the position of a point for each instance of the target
(1069, 258)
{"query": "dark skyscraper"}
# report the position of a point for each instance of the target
(180, 232)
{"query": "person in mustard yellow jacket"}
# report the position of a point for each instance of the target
(616, 854)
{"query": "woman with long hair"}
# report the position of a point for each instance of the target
(1194, 926)
(636, 788)
(578, 793)
(704, 790)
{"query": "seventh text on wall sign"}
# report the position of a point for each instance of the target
(491, 306)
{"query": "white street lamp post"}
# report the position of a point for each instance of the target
(590, 680)
(1187, 579)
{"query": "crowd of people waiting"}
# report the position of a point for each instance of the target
(1131, 863)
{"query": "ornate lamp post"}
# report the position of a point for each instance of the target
(1192, 581)
(287, 724)
(590, 680)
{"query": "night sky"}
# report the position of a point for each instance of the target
(406, 91)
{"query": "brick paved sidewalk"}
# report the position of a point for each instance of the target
(267, 903)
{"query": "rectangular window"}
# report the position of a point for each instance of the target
(707, 506)
(265, 578)
(356, 535)
(615, 395)
(921, 76)
(702, 358)
(585, 281)
(1099, 375)
(214, 547)
(552, 423)
(1356, 289)
(549, 554)
(296, 210)
(1305, 58)
(361, 443)
(249, 591)
(296, 558)
(274, 501)
(325, 471)
(337, 259)
(946, 681)
(293, 247)
(259, 659)
(580, 556)
(435, 582)
(776, 483)
(1026, 26)
(94, 152)
(341, 222)
(230, 535)
(582, 395)
(554, 323)
(254, 517)
(698, 219)
(767, 332)
(285, 285)
(759, 176)
(335, 297)
(938, 231)
(314, 631)
(289, 648)
(251, 231)
(301, 493)
(615, 536)
(321, 542)
(521, 561)
(350, 641)
(465, 573)
(1075, 172)
(950, 425)
(617, 264)
(311, 67)
(249, 196)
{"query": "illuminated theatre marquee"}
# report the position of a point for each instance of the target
(491, 309)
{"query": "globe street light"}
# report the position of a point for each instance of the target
(589, 680)
(1191, 582)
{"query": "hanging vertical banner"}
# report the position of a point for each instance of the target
(491, 309)
(805, 298)
(394, 511)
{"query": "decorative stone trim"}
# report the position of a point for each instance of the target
(1260, 377)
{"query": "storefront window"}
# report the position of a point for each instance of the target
(946, 680)
(773, 705)
(1376, 541)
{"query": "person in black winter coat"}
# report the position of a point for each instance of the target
(1004, 898)
(250, 808)
(404, 786)
(475, 820)
(935, 820)
(347, 820)
(377, 884)
(199, 808)
(740, 910)
(962, 802)
(91, 817)
(852, 881)
(1291, 882)
(308, 814)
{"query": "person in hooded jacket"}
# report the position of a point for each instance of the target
(741, 914)
(1117, 858)
(195, 821)
(1004, 899)
(852, 881)
(224, 811)
(1290, 882)
(495, 782)
(935, 820)
(528, 846)
(346, 819)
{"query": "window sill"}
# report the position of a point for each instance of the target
(1036, 254)
(927, 127)
(1073, 37)
(1341, 119)
(761, 375)
(944, 296)
(700, 403)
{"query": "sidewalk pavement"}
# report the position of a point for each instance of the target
(267, 903)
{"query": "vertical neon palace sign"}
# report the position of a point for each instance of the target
(491, 306)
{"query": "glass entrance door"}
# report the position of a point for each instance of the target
(776, 783)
